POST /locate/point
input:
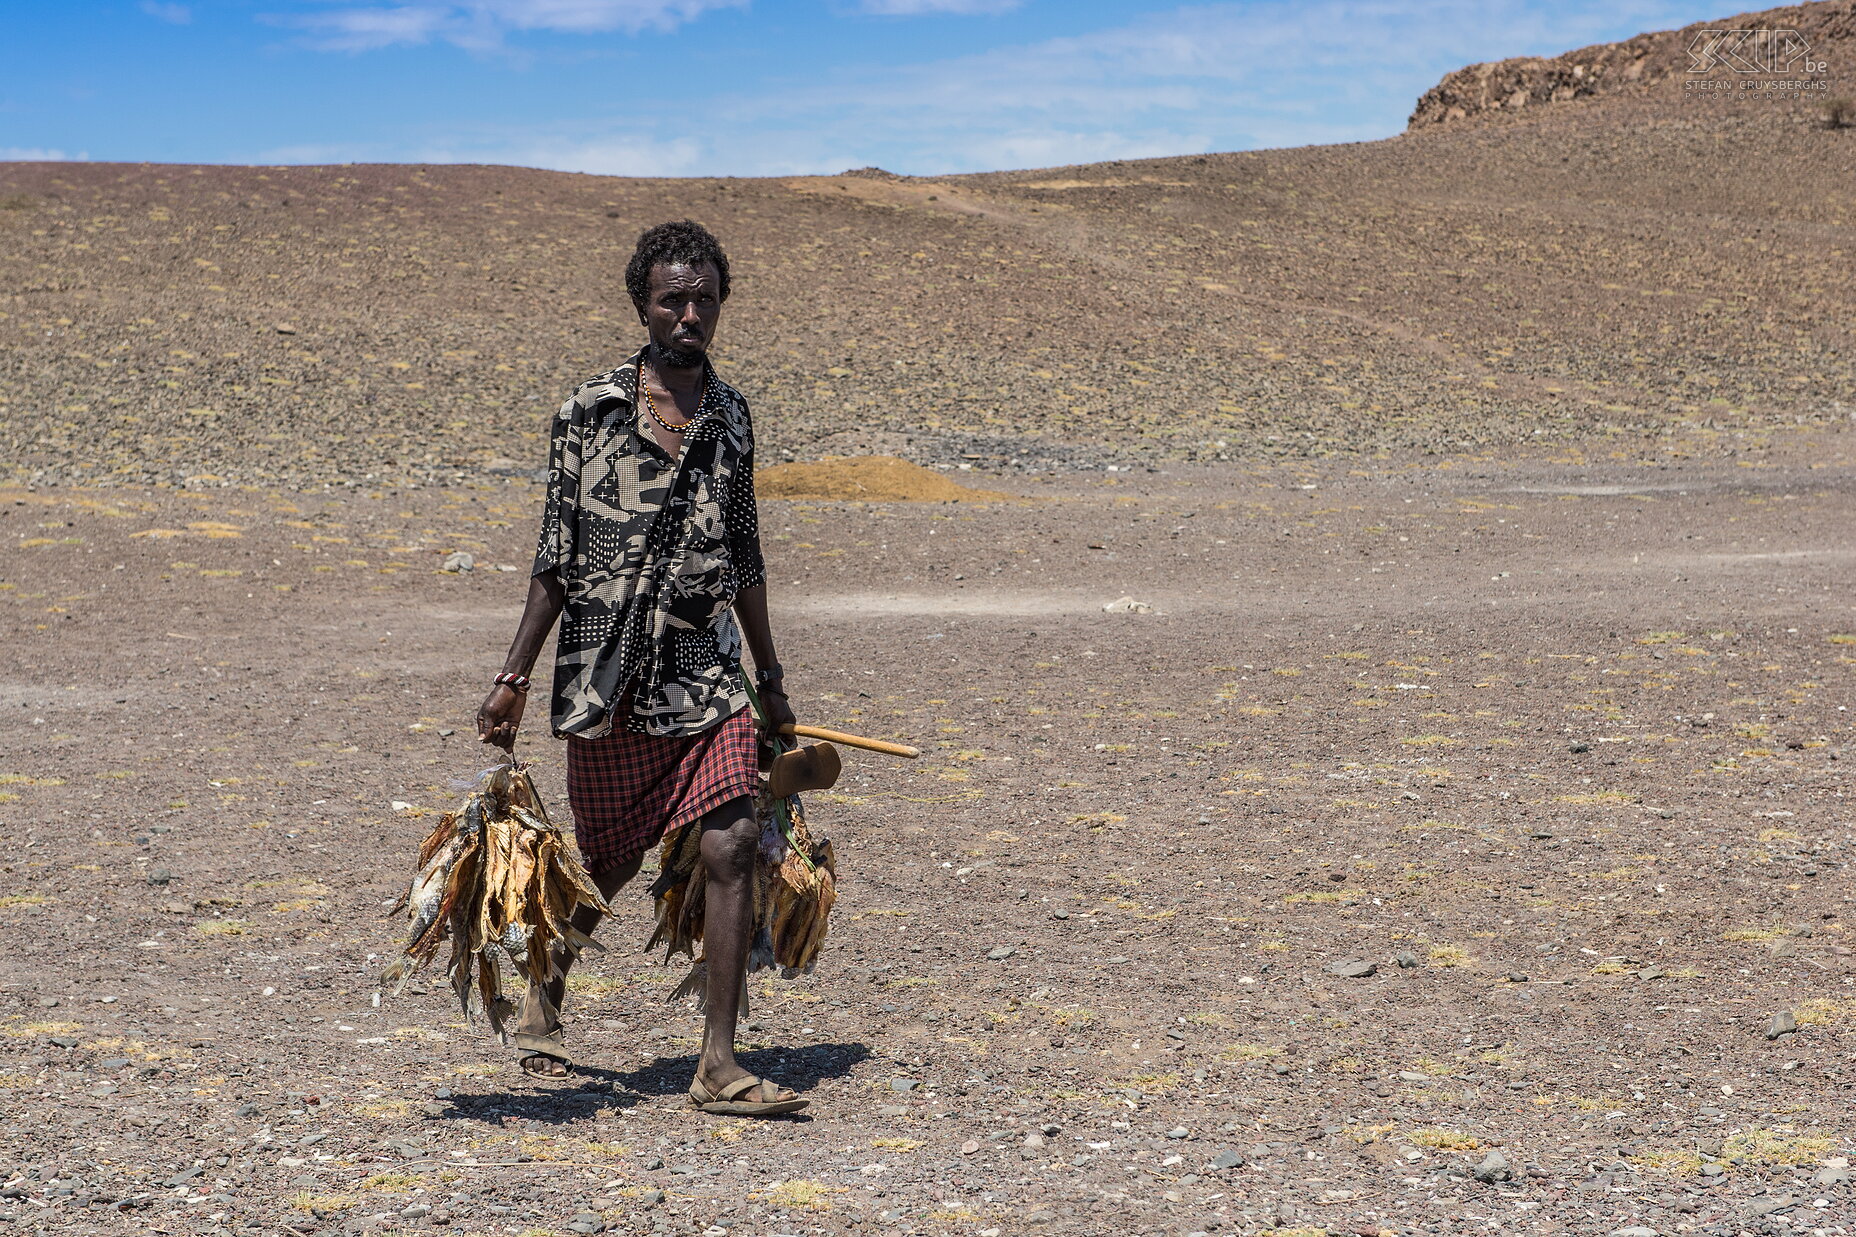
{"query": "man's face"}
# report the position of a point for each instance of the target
(681, 309)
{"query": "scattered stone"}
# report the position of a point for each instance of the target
(415, 1211)
(651, 1198)
(1060, 913)
(459, 561)
(1127, 605)
(1040, 1216)
(653, 1163)
(1228, 1158)
(1494, 1167)
(160, 876)
(1834, 1172)
(904, 1084)
(970, 1146)
(1000, 953)
(1580, 747)
(1634, 1230)
(63, 1041)
(1179, 1131)
(1711, 1169)
(1407, 960)
(1353, 968)
(1766, 1206)
(586, 1222)
(1651, 972)
(1783, 1023)
(1517, 977)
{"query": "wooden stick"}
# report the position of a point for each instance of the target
(852, 740)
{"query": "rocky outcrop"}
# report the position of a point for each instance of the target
(1648, 62)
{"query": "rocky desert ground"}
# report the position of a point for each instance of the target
(1379, 619)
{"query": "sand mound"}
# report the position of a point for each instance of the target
(865, 478)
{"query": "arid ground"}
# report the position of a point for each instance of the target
(1570, 733)
(1449, 831)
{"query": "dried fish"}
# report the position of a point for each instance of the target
(795, 884)
(499, 880)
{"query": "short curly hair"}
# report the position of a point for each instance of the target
(684, 242)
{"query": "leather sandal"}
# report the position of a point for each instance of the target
(728, 1102)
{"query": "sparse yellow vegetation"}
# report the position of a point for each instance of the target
(222, 927)
(1822, 1011)
(1324, 895)
(801, 1195)
(1251, 1052)
(1777, 1147)
(307, 1201)
(1444, 1140)
(1776, 932)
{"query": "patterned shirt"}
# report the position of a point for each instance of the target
(652, 552)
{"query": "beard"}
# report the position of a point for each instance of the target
(679, 358)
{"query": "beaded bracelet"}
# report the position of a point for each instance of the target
(515, 682)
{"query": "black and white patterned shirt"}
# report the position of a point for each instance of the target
(652, 552)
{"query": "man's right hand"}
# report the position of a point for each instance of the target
(500, 716)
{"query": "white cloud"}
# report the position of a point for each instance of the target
(482, 24)
(1218, 76)
(39, 154)
(1226, 76)
(173, 14)
(915, 8)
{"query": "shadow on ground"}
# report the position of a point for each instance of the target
(590, 1091)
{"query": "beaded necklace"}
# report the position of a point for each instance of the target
(650, 405)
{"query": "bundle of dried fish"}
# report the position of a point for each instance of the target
(794, 887)
(500, 881)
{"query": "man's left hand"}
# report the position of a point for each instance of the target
(779, 712)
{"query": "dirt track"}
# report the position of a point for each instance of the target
(1572, 731)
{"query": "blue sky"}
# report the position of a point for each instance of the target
(747, 87)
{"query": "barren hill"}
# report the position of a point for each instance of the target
(1755, 58)
(1668, 269)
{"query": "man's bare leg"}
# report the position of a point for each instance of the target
(730, 839)
(541, 1004)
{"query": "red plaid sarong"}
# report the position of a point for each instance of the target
(628, 791)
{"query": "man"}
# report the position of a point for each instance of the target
(648, 539)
